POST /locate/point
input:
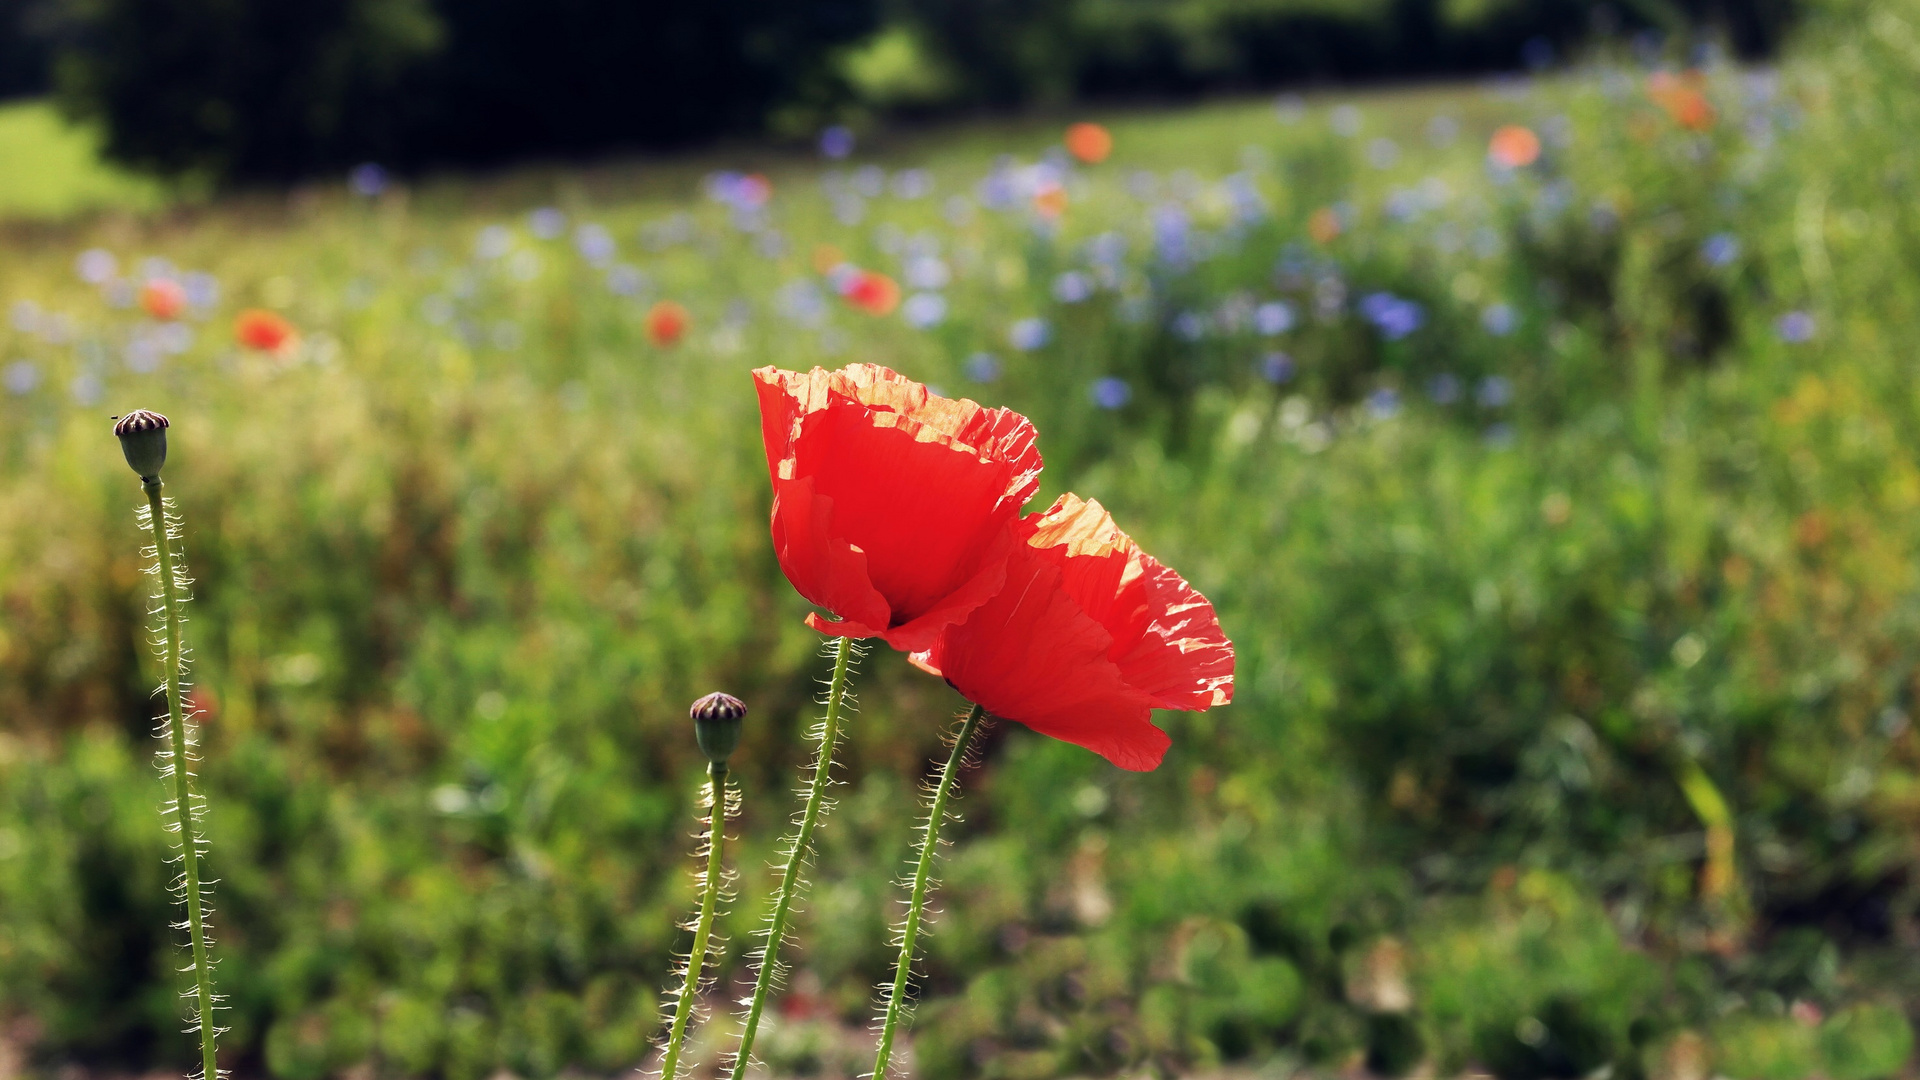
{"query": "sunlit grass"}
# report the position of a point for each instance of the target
(51, 168)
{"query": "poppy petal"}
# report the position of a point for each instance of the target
(1088, 635)
(834, 570)
(1033, 655)
(1167, 638)
(919, 487)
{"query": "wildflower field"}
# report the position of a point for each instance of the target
(1547, 446)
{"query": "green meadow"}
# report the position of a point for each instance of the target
(1564, 514)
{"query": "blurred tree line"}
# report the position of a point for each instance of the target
(275, 89)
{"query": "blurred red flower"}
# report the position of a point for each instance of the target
(1090, 143)
(667, 323)
(891, 504)
(1682, 97)
(873, 293)
(1324, 225)
(1514, 147)
(1086, 638)
(267, 331)
(754, 189)
(163, 298)
(1050, 201)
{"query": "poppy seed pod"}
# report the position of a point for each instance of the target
(143, 438)
(716, 725)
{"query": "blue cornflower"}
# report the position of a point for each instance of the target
(595, 244)
(367, 180)
(1273, 317)
(1072, 287)
(1111, 393)
(87, 389)
(21, 377)
(1795, 327)
(1029, 334)
(1190, 326)
(1107, 249)
(1499, 319)
(625, 280)
(202, 289)
(96, 266)
(983, 367)
(1394, 317)
(547, 223)
(493, 242)
(924, 310)
(928, 272)
(836, 142)
(912, 184)
(1171, 234)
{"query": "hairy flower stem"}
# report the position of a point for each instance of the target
(797, 855)
(183, 799)
(910, 930)
(703, 926)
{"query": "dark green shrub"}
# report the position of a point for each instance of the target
(1053, 50)
(263, 89)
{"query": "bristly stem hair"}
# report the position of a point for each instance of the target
(799, 850)
(186, 809)
(720, 806)
(916, 902)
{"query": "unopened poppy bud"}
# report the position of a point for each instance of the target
(716, 724)
(143, 438)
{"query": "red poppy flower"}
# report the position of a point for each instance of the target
(163, 298)
(667, 323)
(891, 505)
(1050, 201)
(1090, 143)
(257, 328)
(753, 189)
(1087, 637)
(1514, 147)
(875, 294)
(1324, 225)
(1681, 96)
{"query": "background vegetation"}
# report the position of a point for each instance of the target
(267, 90)
(1563, 515)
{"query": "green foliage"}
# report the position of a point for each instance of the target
(1054, 50)
(1778, 1049)
(249, 89)
(277, 89)
(1866, 1042)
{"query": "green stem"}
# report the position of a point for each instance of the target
(190, 840)
(703, 927)
(936, 813)
(796, 856)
